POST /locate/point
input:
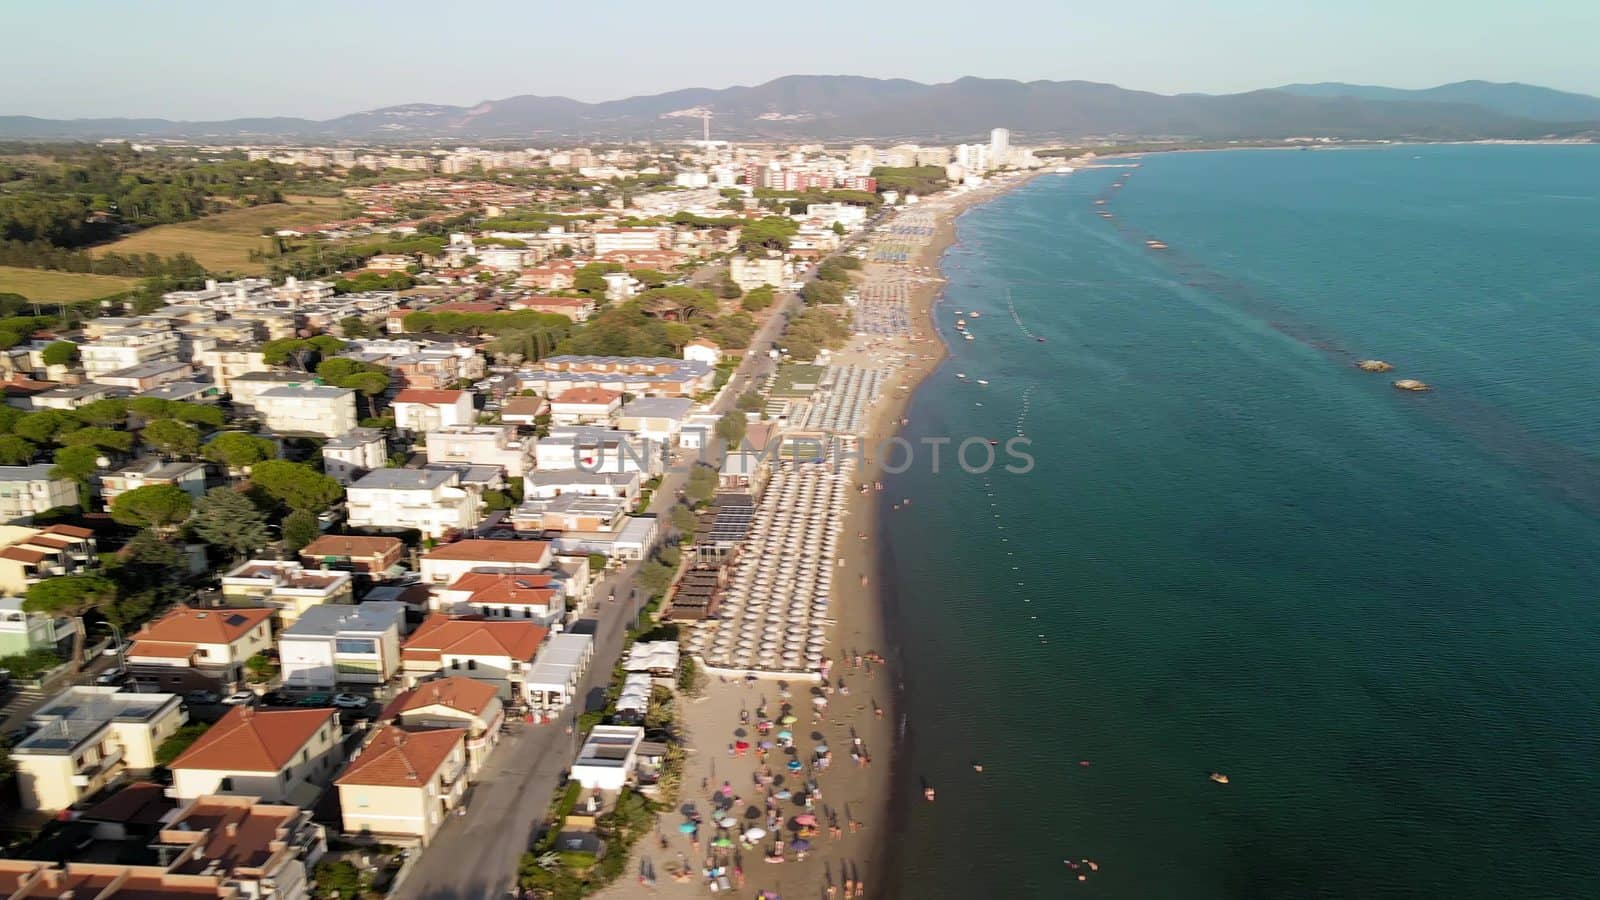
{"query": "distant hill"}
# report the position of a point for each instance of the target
(1525, 101)
(844, 107)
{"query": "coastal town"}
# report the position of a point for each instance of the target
(500, 527)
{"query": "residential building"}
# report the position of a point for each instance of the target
(553, 682)
(85, 738)
(592, 449)
(523, 412)
(621, 240)
(72, 396)
(570, 512)
(484, 445)
(637, 375)
(420, 410)
(702, 350)
(496, 652)
(375, 557)
(504, 595)
(278, 755)
(308, 409)
(444, 564)
(287, 587)
(21, 631)
(632, 541)
(656, 419)
(146, 376)
(431, 501)
(608, 758)
(33, 554)
(404, 783)
(246, 388)
(453, 702)
(334, 646)
(353, 454)
(544, 485)
(126, 349)
(1000, 147)
(266, 850)
(584, 406)
(751, 272)
(189, 648)
(578, 309)
(26, 491)
(190, 477)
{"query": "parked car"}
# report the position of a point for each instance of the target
(203, 697)
(115, 649)
(313, 700)
(350, 701)
(111, 677)
(241, 698)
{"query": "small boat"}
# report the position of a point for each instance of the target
(981, 381)
(961, 323)
(1155, 245)
(975, 314)
(993, 442)
(1040, 340)
(969, 336)
(961, 375)
(1219, 778)
(1099, 203)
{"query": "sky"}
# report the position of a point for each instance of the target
(187, 59)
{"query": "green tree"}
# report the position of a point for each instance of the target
(171, 438)
(727, 289)
(299, 486)
(770, 233)
(76, 463)
(226, 519)
(261, 668)
(238, 449)
(751, 401)
(70, 596)
(731, 428)
(757, 299)
(822, 292)
(338, 878)
(112, 412)
(299, 529)
(179, 741)
(59, 353)
(683, 519)
(367, 379)
(838, 228)
(45, 426)
(200, 414)
(103, 438)
(354, 327)
(16, 451)
(702, 483)
(152, 506)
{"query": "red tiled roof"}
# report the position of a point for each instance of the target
(440, 634)
(400, 758)
(455, 692)
(506, 588)
(587, 395)
(254, 740)
(481, 550)
(70, 531)
(203, 626)
(161, 650)
(349, 545)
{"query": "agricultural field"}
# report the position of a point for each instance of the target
(47, 286)
(222, 242)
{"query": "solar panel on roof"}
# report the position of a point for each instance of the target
(236, 619)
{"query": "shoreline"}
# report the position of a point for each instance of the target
(862, 600)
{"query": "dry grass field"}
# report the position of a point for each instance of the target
(46, 286)
(222, 242)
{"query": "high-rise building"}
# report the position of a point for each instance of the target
(999, 147)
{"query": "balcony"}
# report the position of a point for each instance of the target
(91, 775)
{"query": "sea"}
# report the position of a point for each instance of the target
(1376, 612)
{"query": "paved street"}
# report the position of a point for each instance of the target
(476, 855)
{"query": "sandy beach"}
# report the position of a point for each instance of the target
(857, 726)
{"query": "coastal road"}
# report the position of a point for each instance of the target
(477, 855)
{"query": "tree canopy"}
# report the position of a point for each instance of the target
(237, 449)
(152, 506)
(298, 486)
(226, 519)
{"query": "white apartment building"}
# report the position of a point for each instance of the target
(354, 453)
(308, 409)
(597, 450)
(751, 272)
(482, 445)
(503, 259)
(333, 646)
(429, 500)
(621, 240)
(86, 738)
(421, 410)
(226, 363)
(126, 349)
(999, 147)
(26, 491)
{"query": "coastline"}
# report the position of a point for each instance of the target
(857, 794)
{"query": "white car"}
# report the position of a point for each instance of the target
(241, 698)
(349, 701)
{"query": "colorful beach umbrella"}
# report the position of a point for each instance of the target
(800, 846)
(795, 765)
(806, 819)
(688, 828)
(755, 834)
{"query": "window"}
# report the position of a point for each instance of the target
(225, 784)
(472, 664)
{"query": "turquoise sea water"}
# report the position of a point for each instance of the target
(1377, 612)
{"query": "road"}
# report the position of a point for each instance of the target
(476, 855)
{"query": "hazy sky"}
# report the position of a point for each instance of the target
(211, 59)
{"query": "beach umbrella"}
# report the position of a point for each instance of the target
(806, 819)
(785, 735)
(819, 701)
(688, 828)
(800, 845)
(795, 765)
(728, 822)
(765, 745)
(741, 745)
(821, 748)
(722, 842)
(755, 834)
(788, 720)
(783, 795)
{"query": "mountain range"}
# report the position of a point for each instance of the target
(843, 107)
